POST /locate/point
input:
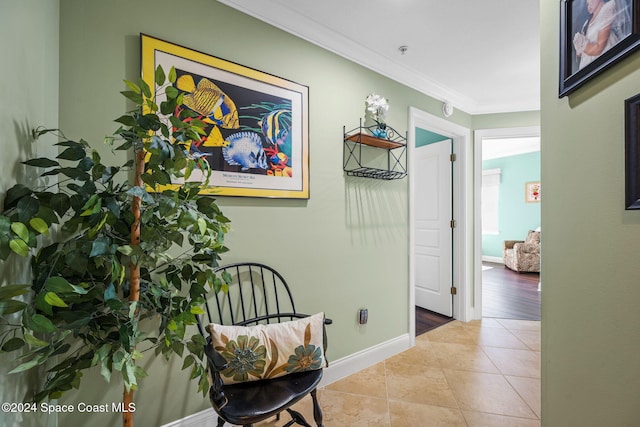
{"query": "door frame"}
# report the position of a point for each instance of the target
(478, 136)
(463, 308)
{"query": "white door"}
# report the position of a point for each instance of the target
(433, 239)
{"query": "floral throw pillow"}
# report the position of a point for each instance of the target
(271, 350)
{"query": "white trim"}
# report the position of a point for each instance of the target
(478, 136)
(360, 360)
(337, 370)
(463, 308)
(200, 419)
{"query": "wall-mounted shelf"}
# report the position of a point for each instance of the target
(369, 156)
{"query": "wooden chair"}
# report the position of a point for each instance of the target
(257, 294)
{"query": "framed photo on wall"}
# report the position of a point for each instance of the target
(532, 192)
(257, 137)
(594, 35)
(632, 152)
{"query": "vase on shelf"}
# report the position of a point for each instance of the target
(380, 130)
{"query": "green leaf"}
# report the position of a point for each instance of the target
(27, 365)
(48, 215)
(42, 162)
(20, 247)
(31, 340)
(39, 323)
(12, 344)
(126, 120)
(14, 194)
(60, 203)
(160, 76)
(27, 208)
(171, 92)
(125, 250)
(172, 75)
(146, 90)
(96, 228)
(54, 300)
(133, 96)
(188, 361)
(134, 87)
(92, 206)
(39, 225)
(105, 370)
(85, 164)
(196, 310)
(20, 230)
(75, 173)
(11, 306)
(75, 152)
(60, 285)
(202, 226)
(10, 291)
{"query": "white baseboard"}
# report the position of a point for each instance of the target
(200, 419)
(496, 259)
(356, 362)
(337, 370)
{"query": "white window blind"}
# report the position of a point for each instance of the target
(490, 199)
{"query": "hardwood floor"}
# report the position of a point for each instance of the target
(427, 320)
(509, 295)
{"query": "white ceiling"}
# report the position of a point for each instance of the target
(482, 56)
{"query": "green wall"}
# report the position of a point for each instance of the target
(343, 249)
(590, 268)
(515, 215)
(29, 94)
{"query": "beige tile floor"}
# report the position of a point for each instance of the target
(481, 373)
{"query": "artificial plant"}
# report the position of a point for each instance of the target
(113, 246)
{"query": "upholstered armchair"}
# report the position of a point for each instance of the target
(523, 255)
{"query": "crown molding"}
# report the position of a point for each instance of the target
(306, 28)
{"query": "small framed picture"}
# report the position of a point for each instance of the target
(532, 192)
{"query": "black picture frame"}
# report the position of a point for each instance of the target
(575, 18)
(632, 152)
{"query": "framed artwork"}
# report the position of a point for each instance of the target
(257, 138)
(532, 192)
(594, 35)
(632, 152)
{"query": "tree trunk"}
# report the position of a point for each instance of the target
(134, 273)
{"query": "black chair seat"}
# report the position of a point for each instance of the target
(255, 401)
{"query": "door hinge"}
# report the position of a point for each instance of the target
(452, 223)
(453, 157)
(454, 290)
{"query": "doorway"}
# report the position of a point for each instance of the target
(462, 251)
(507, 162)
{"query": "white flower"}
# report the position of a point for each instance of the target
(378, 106)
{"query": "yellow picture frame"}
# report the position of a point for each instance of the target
(257, 141)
